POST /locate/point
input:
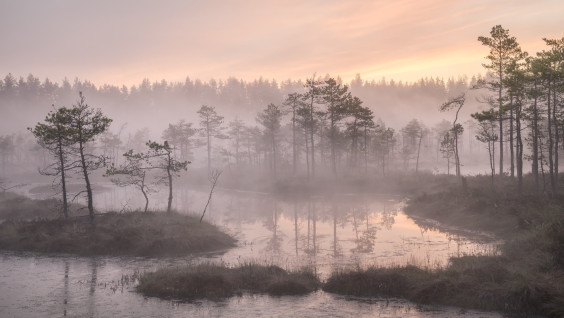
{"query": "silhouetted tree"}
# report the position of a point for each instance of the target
(294, 102)
(82, 125)
(270, 119)
(211, 124)
(133, 173)
(457, 129)
(486, 134)
(334, 96)
(311, 98)
(412, 137)
(53, 135)
(180, 137)
(504, 49)
(161, 158)
(236, 131)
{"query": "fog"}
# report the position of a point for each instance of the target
(147, 109)
(313, 159)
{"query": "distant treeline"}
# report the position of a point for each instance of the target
(232, 92)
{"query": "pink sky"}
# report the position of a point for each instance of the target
(123, 42)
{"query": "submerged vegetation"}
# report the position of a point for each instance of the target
(216, 281)
(139, 234)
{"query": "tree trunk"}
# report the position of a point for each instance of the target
(333, 155)
(273, 155)
(511, 148)
(294, 151)
(519, 149)
(146, 198)
(500, 92)
(86, 179)
(556, 140)
(311, 136)
(63, 177)
(209, 147)
(550, 143)
(418, 151)
(535, 128)
(168, 209)
(307, 153)
(365, 149)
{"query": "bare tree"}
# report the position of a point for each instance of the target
(214, 177)
(133, 173)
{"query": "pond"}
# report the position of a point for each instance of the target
(326, 233)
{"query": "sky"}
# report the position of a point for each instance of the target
(122, 42)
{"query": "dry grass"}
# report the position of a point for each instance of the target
(527, 278)
(213, 281)
(480, 282)
(135, 233)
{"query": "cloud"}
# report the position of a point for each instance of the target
(125, 41)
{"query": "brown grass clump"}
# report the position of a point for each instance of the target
(213, 281)
(481, 282)
(135, 233)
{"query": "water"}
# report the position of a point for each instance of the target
(326, 233)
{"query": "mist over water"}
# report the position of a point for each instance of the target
(320, 136)
(327, 233)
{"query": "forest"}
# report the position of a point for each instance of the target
(478, 152)
(513, 115)
(345, 121)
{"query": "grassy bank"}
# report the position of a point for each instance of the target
(502, 211)
(479, 282)
(135, 233)
(526, 278)
(215, 281)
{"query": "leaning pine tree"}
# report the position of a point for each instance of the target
(82, 124)
(53, 135)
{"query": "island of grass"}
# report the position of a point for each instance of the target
(132, 233)
(524, 278)
(215, 282)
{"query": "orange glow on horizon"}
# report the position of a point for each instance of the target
(401, 40)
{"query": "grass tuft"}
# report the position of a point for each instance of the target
(215, 282)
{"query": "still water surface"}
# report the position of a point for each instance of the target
(326, 233)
